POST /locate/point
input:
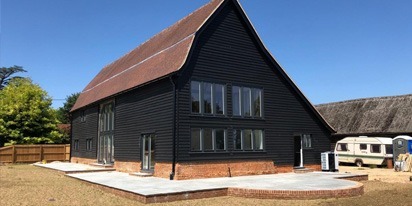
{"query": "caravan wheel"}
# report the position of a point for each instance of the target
(359, 163)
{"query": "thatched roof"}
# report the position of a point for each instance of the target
(381, 115)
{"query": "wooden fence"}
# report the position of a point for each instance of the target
(34, 153)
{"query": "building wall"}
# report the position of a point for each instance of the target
(83, 130)
(226, 52)
(148, 109)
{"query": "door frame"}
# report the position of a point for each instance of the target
(148, 157)
(298, 149)
(105, 144)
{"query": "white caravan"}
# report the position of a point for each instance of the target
(364, 150)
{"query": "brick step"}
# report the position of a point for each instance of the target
(301, 170)
(142, 174)
(95, 164)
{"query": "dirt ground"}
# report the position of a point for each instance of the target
(29, 185)
(379, 174)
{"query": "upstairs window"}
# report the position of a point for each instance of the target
(208, 98)
(247, 102)
(82, 116)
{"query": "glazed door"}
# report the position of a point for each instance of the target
(298, 155)
(148, 152)
(106, 134)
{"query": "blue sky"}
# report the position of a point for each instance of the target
(333, 50)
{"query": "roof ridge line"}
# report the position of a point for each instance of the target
(141, 62)
(363, 99)
(161, 32)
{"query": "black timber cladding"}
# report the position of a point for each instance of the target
(148, 109)
(227, 52)
(83, 130)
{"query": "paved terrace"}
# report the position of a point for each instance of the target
(282, 186)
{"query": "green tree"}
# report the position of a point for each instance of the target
(6, 74)
(64, 112)
(26, 116)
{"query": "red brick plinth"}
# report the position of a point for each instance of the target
(296, 194)
(81, 160)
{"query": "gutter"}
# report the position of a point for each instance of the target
(172, 174)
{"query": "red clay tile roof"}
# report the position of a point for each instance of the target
(161, 55)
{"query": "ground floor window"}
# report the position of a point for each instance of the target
(208, 139)
(307, 141)
(76, 145)
(89, 143)
(248, 139)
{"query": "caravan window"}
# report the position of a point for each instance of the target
(362, 146)
(389, 149)
(375, 148)
(342, 147)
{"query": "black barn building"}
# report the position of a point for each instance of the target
(203, 98)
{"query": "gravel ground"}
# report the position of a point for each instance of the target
(29, 185)
(380, 174)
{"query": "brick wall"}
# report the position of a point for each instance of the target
(81, 160)
(127, 166)
(194, 170)
(163, 169)
(354, 191)
(289, 168)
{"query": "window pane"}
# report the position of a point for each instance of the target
(219, 99)
(195, 141)
(195, 91)
(388, 149)
(375, 148)
(247, 139)
(256, 101)
(307, 141)
(246, 101)
(236, 100)
(362, 146)
(258, 139)
(237, 134)
(207, 139)
(207, 98)
(342, 147)
(220, 139)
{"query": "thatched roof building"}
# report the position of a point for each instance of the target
(381, 116)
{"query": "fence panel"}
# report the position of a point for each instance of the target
(34, 153)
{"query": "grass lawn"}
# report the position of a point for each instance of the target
(29, 185)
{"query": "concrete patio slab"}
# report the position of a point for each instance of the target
(68, 168)
(152, 189)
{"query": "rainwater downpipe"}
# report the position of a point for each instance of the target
(172, 174)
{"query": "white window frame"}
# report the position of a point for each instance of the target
(89, 144)
(212, 99)
(202, 147)
(307, 141)
(253, 139)
(241, 102)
